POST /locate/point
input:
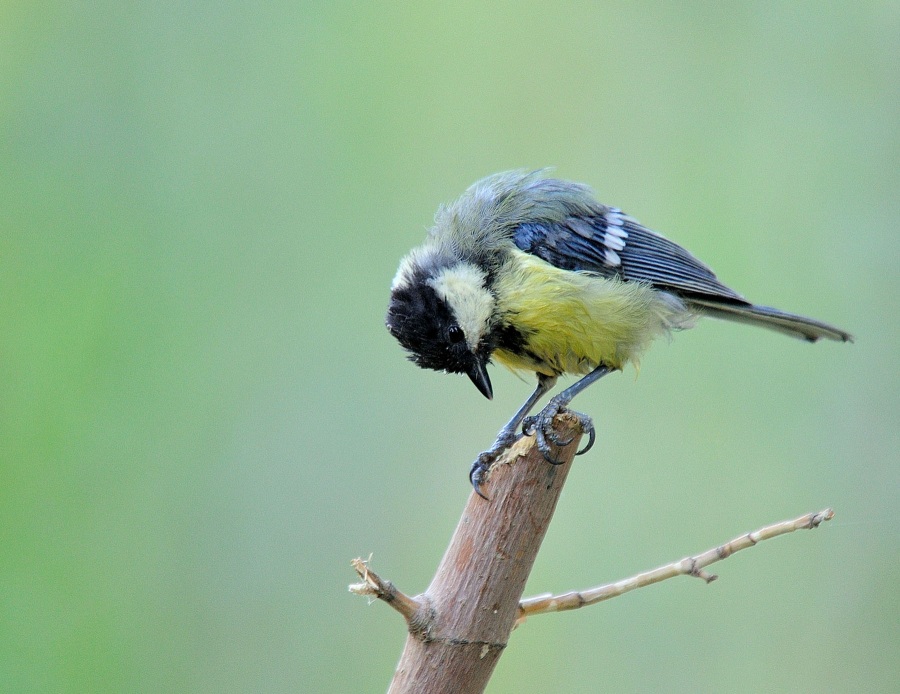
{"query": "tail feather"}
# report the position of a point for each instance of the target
(787, 323)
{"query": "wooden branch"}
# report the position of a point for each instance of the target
(464, 618)
(460, 625)
(689, 566)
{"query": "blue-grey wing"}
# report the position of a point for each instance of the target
(612, 244)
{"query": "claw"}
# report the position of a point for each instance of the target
(477, 476)
(543, 444)
(482, 465)
(561, 444)
(541, 425)
(592, 436)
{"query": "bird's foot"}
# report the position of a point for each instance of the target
(482, 465)
(541, 425)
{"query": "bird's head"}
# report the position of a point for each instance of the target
(442, 312)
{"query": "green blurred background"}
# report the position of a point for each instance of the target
(203, 419)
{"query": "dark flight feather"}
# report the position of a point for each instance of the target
(638, 255)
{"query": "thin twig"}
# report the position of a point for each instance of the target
(375, 586)
(689, 566)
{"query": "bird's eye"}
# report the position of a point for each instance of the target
(455, 334)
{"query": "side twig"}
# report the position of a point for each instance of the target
(374, 586)
(689, 566)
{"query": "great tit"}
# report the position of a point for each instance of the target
(534, 273)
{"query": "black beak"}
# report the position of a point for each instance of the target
(479, 375)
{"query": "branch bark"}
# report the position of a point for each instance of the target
(465, 617)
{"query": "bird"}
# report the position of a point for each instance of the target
(532, 272)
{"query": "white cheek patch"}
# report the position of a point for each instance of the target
(462, 288)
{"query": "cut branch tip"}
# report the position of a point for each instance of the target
(374, 586)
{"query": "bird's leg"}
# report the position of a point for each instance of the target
(541, 424)
(508, 434)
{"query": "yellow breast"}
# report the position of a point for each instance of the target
(573, 321)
